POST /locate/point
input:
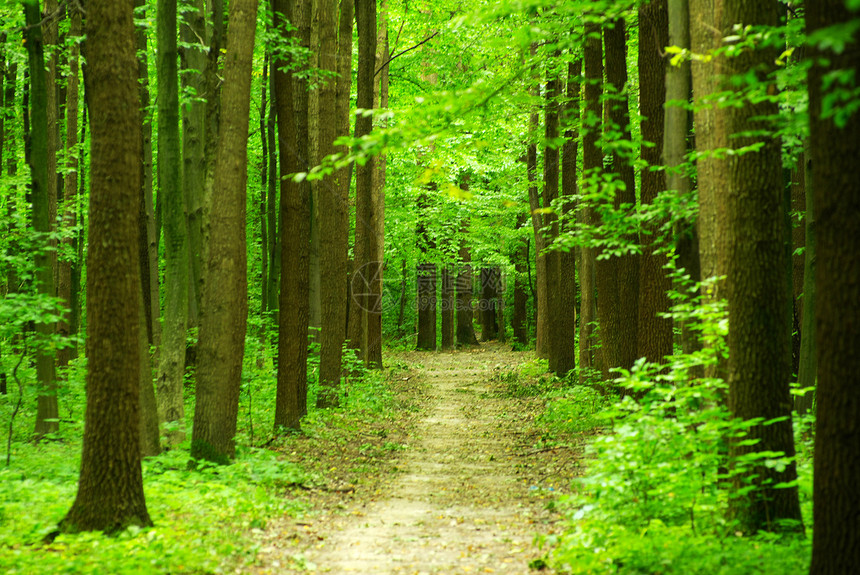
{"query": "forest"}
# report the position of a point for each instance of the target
(430, 286)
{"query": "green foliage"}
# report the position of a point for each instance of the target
(201, 517)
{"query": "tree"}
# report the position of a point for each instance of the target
(617, 277)
(335, 56)
(363, 255)
(171, 372)
(835, 145)
(110, 490)
(465, 315)
(290, 95)
(224, 309)
(592, 165)
(563, 350)
(550, 195)
(193, 61)
(654, 331)
(47, 414)
(759, 339)
(426, 274)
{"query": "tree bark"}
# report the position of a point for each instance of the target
(592, 165)
(488, 304)
(706, 18)
(377, 243)
(291, 98)
(426, 276)
(654, 332)
(564, 348)
(193, 62)
(676, 130)
(333, 190)
(47, 412)
(835, 148)
(110, 490)
(449, 306)
(170, 386)
(550, 195)
(759, 339)
(224, 309)
(520, 322)
(617, 278)
(465, 316)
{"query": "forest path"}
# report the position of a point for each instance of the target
(469, 494)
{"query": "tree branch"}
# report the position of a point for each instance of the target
(424, 41)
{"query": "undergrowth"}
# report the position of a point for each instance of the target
(204, 519)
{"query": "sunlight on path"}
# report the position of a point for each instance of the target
(458, 507)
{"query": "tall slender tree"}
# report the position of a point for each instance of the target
(224, 310)
(47, 413)
(332, 195)
(759, 365)
(171, 372)
(654, 332)
(550, 195)
(835, 146)
(592, 165)
(110, 490)
(292, 103)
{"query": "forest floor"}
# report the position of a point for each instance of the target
(458, 480)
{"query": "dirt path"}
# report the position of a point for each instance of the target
(468, 496)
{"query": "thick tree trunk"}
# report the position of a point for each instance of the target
(110, 490)
(835, 149)
(364, 269)
(617, 278)
(314, 289)
(333, 190)
(291, 98)
(224, 309)
(171, 373)
(759, 339)
(705, 37)
(47, 412)
(592, 165)
(274, 229)
(654, 332)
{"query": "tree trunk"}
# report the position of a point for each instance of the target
(654, 332)
(759, 332)
(565, 349)
(333, 104)
(541, 307)
(110, 490)
(487, 304)
(170, 386)
(47, 412)
(291, 98)
(274, 230)
(617, 278)
(224, 310)
(675, 133)
(377, 243)
(70, 185)
(592, 165)
(363, 270)
(193, 62)
(808, 367)
(519, 322)
(550, 195)
(710, 129)
(426, 276)
(835, 148)
(465, 316)
(449, 306)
